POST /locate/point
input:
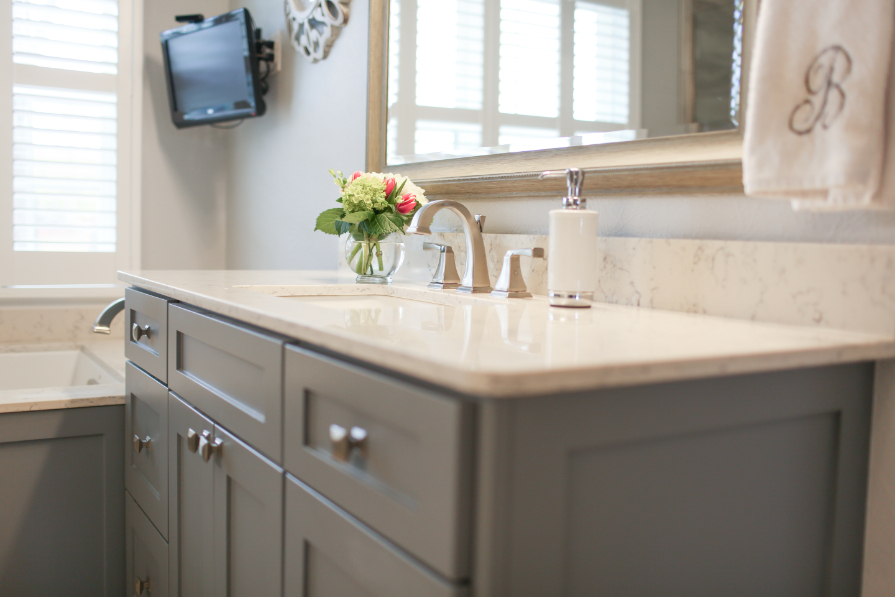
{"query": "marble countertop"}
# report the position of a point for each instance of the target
(107, 352)
(500, 348)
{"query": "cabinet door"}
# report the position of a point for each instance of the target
(147, 555)
(330, 554)
(248, 521)
(190, 517)
(146, 444)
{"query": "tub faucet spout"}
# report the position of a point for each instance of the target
(103, 323)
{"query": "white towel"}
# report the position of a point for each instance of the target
(818, 125)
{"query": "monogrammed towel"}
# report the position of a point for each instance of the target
(820, 128)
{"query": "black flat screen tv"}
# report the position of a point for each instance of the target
(211, 69)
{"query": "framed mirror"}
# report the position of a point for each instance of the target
(479, 96)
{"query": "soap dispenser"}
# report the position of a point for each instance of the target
(572, 246)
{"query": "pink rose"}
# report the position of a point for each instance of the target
(389, 186)
(407, 204)
(356, 175)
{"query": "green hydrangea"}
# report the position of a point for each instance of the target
(364, 194)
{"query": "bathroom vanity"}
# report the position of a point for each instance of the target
(295, 434)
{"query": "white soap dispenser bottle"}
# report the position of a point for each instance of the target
(572, 246)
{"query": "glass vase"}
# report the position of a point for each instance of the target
(374, 259)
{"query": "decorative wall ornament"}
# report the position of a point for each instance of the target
(314, 29)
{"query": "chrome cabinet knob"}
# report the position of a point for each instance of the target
(142, 444)
(138, 332)
(511, 284)
(209, 447)
(192, 440)
(142, 585)
(446, 276)
(344, 442)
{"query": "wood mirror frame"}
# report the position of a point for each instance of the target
(695, 163)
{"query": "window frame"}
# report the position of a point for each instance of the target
(21, 268)
(694, 163)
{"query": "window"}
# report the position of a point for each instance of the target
(66, 216)
(471, 77)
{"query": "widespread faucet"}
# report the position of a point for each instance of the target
(475, 277)
(103, 323)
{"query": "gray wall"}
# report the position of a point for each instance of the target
(315, 122)
(184, 171)
(278, 174)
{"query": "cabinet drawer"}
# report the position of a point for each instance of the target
(328, 554)
(146, 444)
(232, 374)
(411, 480)
(146, 553)
(148, 348)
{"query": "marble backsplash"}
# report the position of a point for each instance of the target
(69, 323)
(838, 286)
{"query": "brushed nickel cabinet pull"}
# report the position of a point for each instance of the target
(141, 444)
(192, 440)
(138, 332)
(344, 442)
(143, 585)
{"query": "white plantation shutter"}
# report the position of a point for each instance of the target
(64, 170)
(77, 35)
(71, 85)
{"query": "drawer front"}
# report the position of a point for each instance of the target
(146, 444)
(150, 348)
(232, 374)
(146, 553)
(329, 554)
(410, 482)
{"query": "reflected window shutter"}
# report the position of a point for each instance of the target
(529, 57)
(65, 140)
(601, 63)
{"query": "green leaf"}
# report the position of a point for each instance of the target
(341, 227)
(381, 225)
(358, 216)
(326, 222)
(397, 219)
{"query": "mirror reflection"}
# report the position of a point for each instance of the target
(478, 77)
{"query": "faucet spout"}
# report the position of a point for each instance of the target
(475, 276)
(103, 323)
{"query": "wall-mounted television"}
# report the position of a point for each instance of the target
(211, 68)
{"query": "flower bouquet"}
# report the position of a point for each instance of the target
(376, 208)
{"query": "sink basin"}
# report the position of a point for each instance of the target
(50, 369)
(354, 296)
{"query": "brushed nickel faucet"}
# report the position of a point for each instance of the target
(103, 323)
(475, 277)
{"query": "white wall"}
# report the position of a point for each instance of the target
(184, 171)
(278, 176)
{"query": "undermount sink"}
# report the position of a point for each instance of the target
(354, 296)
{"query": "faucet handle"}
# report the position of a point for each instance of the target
(511, 284)
(446, 276)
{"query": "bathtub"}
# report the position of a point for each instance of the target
(50, 377)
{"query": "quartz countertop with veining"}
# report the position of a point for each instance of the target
(491, 347)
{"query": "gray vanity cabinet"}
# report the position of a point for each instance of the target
(191, 499)
(146, 444)
(330, 554)
(226, 511)
(147, 555)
